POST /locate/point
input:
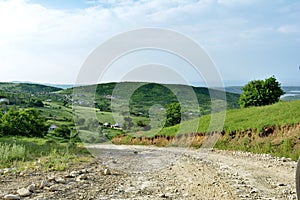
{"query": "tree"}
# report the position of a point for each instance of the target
(173, 114)
(261, 92)
(27, 122)
(128, 123)
(35, 103)
(63, 131)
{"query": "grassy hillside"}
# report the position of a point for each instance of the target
(273, 129)
(254, 118)
(282, 113)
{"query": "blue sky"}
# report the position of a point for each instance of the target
(48, 41)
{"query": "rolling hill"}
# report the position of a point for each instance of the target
(27, 88)
(145, 95)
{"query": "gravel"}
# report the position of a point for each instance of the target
(139, 172)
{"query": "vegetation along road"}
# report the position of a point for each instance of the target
(141, 172)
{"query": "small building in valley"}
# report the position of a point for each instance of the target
(53, 127)
(4, 100)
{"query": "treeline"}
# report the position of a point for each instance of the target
(27, 88)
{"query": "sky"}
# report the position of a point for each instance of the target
(49, 41)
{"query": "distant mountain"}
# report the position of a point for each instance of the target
(62, 86)
(234, 89)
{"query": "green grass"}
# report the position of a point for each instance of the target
(11, 152)
(56, 112)
(239, 122)
(44, 154)
(254, 118)
(282, 113)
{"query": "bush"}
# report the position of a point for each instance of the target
(62, 131)
(173, 114)
(27, 122)
(260, 93)
(36, 103)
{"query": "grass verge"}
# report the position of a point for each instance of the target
(40, 153)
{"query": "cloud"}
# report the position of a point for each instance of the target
(19, 18)
(60, 40)
(289, 29)
(236, 2)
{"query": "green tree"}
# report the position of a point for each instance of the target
(261, 92)
(27, 122)
(62, 131)
(35, 103)
(128, 123)
(141, 123)
(173, 114)
(91, 124)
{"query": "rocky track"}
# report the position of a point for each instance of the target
(138, 172)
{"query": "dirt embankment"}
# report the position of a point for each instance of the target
(273, 134)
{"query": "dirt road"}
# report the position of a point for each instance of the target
(138, 172)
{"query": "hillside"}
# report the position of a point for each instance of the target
(27, 88)
(271, 129)
(28, 94)
(148, 95)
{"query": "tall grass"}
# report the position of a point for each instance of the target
(52, 154)
(11, 152)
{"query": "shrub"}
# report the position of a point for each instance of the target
(27, 122)
(62, 131)
(173, 114)
(261, 92)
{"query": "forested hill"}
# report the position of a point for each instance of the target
(149, 94)
(27, 88)
(144, 97)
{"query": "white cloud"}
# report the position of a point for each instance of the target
(236, 2)
(289, 29)
(18, 18)
(36, 37)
